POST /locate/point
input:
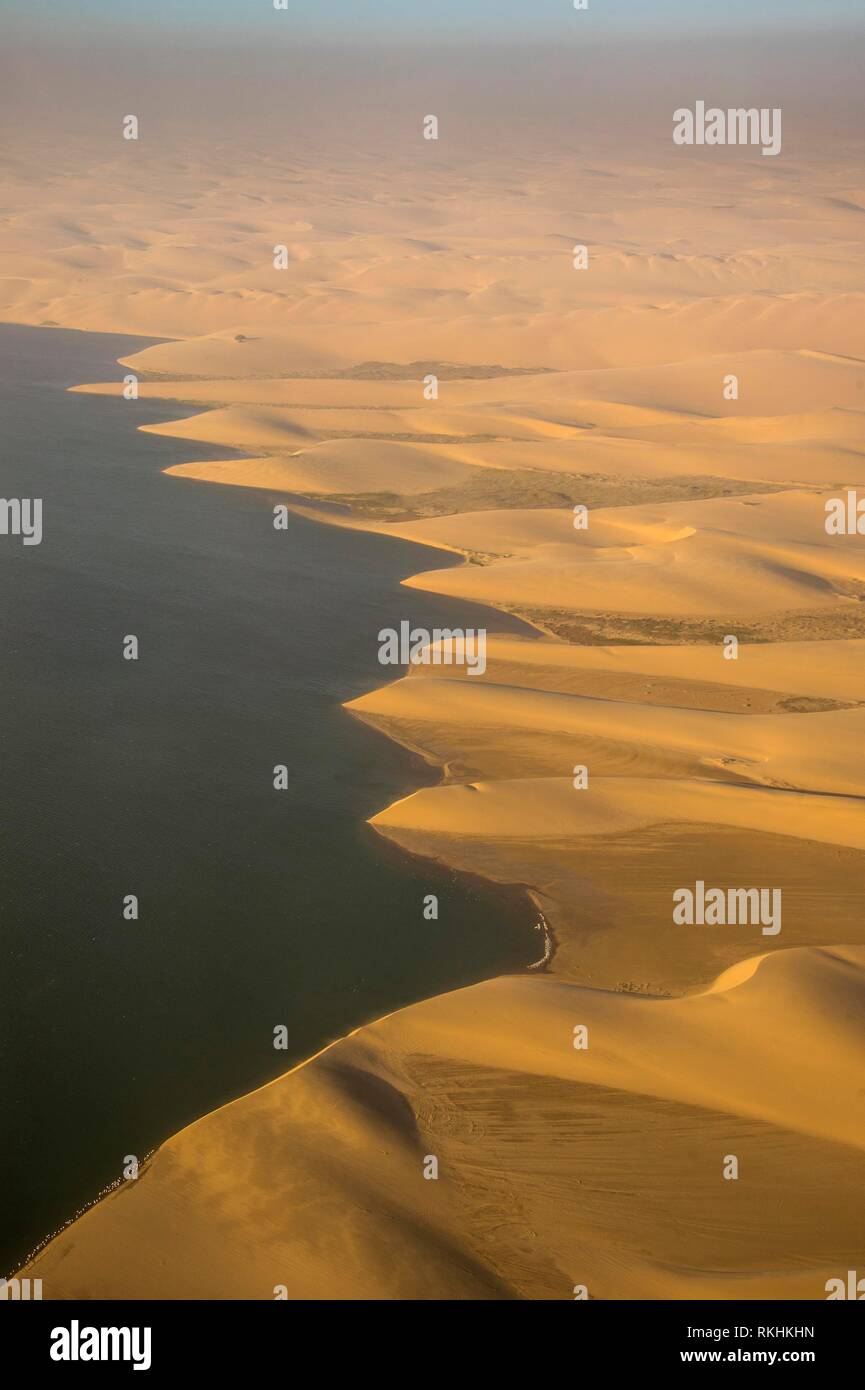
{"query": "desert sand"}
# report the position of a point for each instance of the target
(558, 1168)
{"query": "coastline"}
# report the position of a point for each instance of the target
(691, 715)
(497, 905)
(377, 1054)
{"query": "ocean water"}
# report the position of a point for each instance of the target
(155, 778)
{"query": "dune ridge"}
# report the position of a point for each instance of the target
(535, 1142)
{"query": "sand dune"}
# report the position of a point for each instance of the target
(717, 557)
(818, 752)
(551, 809)
(833, 671)
(339, 467)
(554, 1164)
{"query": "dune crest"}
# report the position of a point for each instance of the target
(553, 1163)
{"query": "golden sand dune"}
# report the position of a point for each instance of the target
(731, 558)
(554, 1164)
(342, 466)
(277, 427)
(548, 808)
(833, 671)
(771, 382)
(816, 426)
(819, 752)
(585, 460)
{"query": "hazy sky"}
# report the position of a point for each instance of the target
(501, 67)
(344, 20)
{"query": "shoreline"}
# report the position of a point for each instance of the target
(696, 773)
(513, 897)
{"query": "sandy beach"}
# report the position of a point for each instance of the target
(582, 1117)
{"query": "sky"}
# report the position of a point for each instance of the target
(364, 65)
(343, 21)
